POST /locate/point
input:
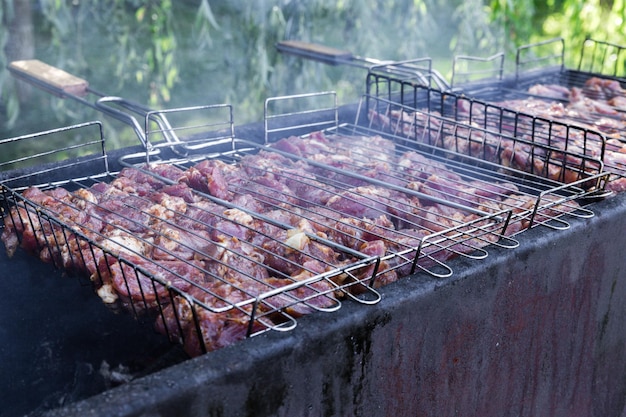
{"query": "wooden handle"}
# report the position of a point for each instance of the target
(49, 78)
(314, 51)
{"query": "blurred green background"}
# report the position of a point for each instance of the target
(169, 53)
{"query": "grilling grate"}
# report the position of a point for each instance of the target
(542, 62)
(485, 105)
(142, 225)
(220, 246)
(50, 222)
(478, 99)
(588, 181)
(554, 159)
(272, 167)
(602, 58)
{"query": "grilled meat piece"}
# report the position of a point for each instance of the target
(212, 177)
(602, 89)
(554, 91)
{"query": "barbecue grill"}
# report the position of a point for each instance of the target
(242, 378)
(446, 342)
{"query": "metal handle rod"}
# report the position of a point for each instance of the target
(333, 56)
(65, 85)
(326, 54)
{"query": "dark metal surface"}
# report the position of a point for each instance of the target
(58, 338)
(538, 331)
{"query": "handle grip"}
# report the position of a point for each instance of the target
(49, 78)
(325, 54)
(63, 84)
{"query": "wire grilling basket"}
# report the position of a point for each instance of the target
(218, 246)
(204, 281)
(545, 103)
(542, 62)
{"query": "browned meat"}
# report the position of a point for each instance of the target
(553, 151)
(305, 299)
(554, 91)
(386, 272)
(366, 201)
(135, 181)
(208, 176)
(598, 105)
(144, 241)
(174, 242)
(168, 171)
(180, 190)
(141, 280)
(223, 324)
(415, 166)
(602, 89)
(218, 328)
(618, 102)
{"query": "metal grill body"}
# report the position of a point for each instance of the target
(168, 298)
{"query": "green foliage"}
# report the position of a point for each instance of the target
(582, 19)
(9, 105)
(166, 53)
(525, 22)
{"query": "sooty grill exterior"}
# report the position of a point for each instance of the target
(536, 331)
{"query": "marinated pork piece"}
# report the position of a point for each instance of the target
(39, 234)
(223, 324)
(145, 283)
(221, 327)
(555, 157)
(357, 149)
(211, 176)
(340, 152)
(357, 233)
(602, 89)
(135, 181)
(554, 91)
(618, 102)
(415, 166)
(361, 202)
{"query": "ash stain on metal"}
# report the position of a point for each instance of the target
(605, 318)
(217, 411)
(353, 376)
(265, 399)
(327, 394)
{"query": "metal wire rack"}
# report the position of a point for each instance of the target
(374, 119)
(219, 246)
(502, 109)
(186, 263)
